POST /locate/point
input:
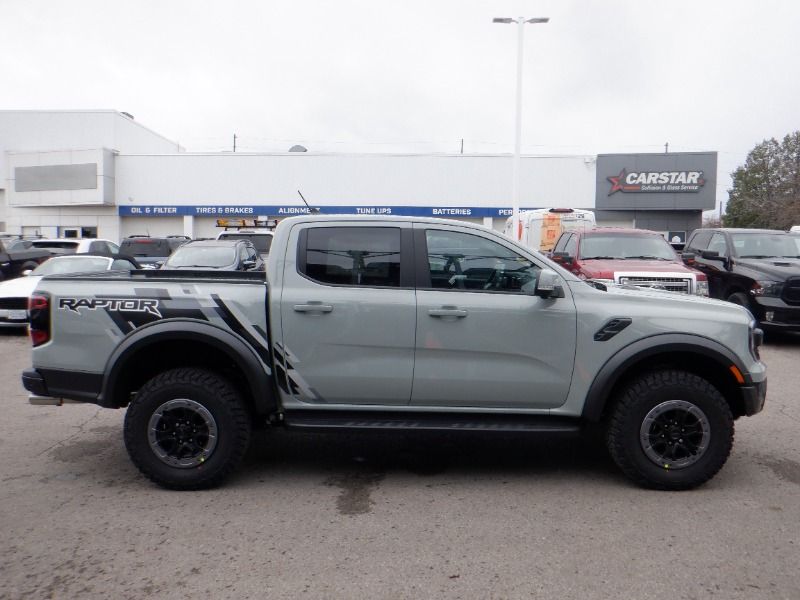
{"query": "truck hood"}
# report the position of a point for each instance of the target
(773, 268)
(662, 295)
(603, 269)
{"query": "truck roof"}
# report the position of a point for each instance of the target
(743, 230)
(391, 218)
(620, 230)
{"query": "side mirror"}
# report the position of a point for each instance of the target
(562, 258)
(688, 258)
(548, 285)
(249, 264)
(27, 272)
(711, 255)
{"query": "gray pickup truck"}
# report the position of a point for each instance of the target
(391, 323)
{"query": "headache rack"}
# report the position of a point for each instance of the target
(247, 223)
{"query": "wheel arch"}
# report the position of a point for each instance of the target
(702, 356)
(175, 343)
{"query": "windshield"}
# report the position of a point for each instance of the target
(765, 245)
(57, 246)
(262, 241)
(213, 257)
(17, 245)
(145, 247)
(83, 264)
(623, 246)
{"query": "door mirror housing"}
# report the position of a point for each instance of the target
(562, 258)
(548, 285)
(712, 255)
(249, 264)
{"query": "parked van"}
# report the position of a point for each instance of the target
(540, 228)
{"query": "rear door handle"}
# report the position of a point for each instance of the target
(447, 311)
(313, 307)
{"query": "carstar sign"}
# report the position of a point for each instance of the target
(656, 181)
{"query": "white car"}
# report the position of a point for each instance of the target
(59, 246)
(14, 293)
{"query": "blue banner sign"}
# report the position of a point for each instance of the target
(166, 210)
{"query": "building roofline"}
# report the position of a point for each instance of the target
(585, 157)
(91, 111)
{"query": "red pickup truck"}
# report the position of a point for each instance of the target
(628, 257)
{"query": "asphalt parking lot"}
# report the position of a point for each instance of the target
(399, 516)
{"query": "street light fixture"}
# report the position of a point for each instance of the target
(520, 21)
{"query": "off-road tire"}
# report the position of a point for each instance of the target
(206, 391)
(643, 397)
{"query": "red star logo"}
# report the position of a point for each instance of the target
(616, 185)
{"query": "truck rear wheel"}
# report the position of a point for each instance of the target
(187, 429)
(670, 430)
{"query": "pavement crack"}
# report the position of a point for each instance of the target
(80, 430)
(783, 409)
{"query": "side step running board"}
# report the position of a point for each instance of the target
(419, 421)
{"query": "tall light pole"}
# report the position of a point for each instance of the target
(520, 21)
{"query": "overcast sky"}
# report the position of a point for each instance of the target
(417, 76)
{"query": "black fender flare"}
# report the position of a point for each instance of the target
(259, 377)
(618, 364)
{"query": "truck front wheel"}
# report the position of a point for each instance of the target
(187, 429)
(670, 430)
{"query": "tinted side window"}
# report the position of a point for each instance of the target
(562, 241)
(718, 244)
(19, 245)
(461, 261)
(361, 256)
(572, 246)
(120, 264)
(700, 241)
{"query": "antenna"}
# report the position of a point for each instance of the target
(311, 211)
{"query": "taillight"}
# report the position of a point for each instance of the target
(39, 318)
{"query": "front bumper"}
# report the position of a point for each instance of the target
(775, 314)
(754, 397)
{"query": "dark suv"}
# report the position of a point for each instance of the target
(219, 255)
(757, 268)
(151, 252)
(18, 255)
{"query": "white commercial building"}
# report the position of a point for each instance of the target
(100, 173)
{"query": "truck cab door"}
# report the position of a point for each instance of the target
(718, 276)
(483, 341)
(348, 315)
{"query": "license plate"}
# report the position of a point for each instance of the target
(18, 315)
